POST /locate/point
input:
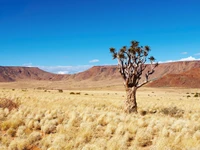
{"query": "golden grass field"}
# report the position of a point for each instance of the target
(168, 119)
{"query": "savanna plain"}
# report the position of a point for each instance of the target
(42, 119)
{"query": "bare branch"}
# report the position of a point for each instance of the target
(147, 75)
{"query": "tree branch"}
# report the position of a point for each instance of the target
(147, 75)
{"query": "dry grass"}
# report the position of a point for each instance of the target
(87, 120)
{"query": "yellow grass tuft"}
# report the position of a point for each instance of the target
(96, 120)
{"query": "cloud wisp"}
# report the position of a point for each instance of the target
(190, 58)
(28, 65)
(94, 61)
(184, 53)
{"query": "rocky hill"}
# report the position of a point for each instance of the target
(189, 78)
(176, 74)
(9, 74)
(111, 72)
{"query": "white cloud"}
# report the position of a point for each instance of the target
(63, 72)
(184, 53)
(65, 69)
(94, 61)
(167, 61)
(28, 65)
(190, 58)
(197, 54)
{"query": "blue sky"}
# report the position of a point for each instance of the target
(66, 36)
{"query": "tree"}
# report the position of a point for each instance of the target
(132, 65)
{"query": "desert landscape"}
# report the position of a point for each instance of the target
(99, 75)
(41, 110)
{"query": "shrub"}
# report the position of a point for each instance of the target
(40, 88)
(78, 93)
(72, 93)
(197, 95)
(143, 112)
(60, 90)
(7, 103)
(24, 90)
(172, 111)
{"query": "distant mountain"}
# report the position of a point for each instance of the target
(176, 74)
(98, 73)
(111, 72)
(189, 78)
(10, 74)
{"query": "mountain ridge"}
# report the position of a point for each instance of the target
(97, 74)
(17, 73)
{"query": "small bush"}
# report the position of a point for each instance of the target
(143, 112)
(73, 93)
(7, 103)
(24, 90)
(197, 95)
(40, 88)
(86, 94)
(172, 111)
(60, 90)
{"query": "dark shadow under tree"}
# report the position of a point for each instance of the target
(131, 65)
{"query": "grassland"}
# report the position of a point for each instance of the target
(94, 120)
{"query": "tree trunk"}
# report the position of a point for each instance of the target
(130, 103)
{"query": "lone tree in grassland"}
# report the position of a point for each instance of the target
(131, 65)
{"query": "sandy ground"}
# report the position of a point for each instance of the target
(93, 118)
